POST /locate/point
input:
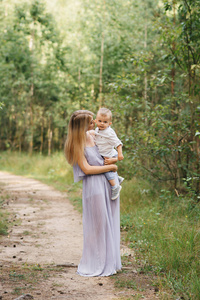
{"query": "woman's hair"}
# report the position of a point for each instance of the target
(76, 137)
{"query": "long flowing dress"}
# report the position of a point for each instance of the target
(101, 221)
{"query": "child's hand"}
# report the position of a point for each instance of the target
(110, 160)
(120, 156)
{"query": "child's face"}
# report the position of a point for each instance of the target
(103, 121)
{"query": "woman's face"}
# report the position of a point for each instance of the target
(91, 125)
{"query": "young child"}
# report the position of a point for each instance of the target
(106, 141)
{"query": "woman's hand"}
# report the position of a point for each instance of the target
(110, 160)
(113, 168)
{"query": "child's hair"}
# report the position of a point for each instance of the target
(103, 111)
(76, 137)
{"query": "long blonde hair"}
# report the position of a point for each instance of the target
(76, 137)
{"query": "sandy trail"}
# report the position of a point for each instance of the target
(47, 231)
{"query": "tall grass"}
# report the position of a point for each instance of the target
(162, 229)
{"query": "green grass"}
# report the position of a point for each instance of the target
(162, 229)
(3, 223)
(3, 217)
(129, 284)
(164, 232)
(23, 278)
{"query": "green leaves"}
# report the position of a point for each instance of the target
(147, 57)
(37, 10)
(29, 70)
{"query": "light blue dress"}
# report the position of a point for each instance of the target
(101, 221)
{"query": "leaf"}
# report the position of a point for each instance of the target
(197, 133)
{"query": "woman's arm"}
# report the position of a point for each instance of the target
(89, 170)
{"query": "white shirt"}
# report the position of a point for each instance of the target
(106, 140)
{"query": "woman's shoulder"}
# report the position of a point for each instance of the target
(90, 138)
(91, 132)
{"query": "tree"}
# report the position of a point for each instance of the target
(31, 62)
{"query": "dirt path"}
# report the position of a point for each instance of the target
(47, 232)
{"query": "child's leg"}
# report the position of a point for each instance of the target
(112, 182)
(111, 178)
(115, 188)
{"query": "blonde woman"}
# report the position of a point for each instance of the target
(101, 219)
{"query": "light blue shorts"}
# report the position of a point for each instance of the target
(110, 175)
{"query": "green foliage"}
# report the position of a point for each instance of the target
(159, 123)
(31, 61)
(149, 57)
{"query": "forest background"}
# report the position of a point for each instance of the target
(139, 58)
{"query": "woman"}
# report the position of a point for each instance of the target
(101, 220)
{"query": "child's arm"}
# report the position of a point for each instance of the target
(113, 160)
(120, 155)
(110, 160)
(115, 141)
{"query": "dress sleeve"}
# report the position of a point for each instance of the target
(78, 173)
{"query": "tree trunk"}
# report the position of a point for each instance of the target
(49, 137)
(42, 134)
(101, 71)
(145, 76)
(31, 130)
(31, 45)
(79, 86)
(18, 132)
(198, 164)
(173, 47)
(101, 102)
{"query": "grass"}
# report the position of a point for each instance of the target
(162, 229)
(26, 232)
(164, 232)
(24, 277)
(129, 284)
(5, 223)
